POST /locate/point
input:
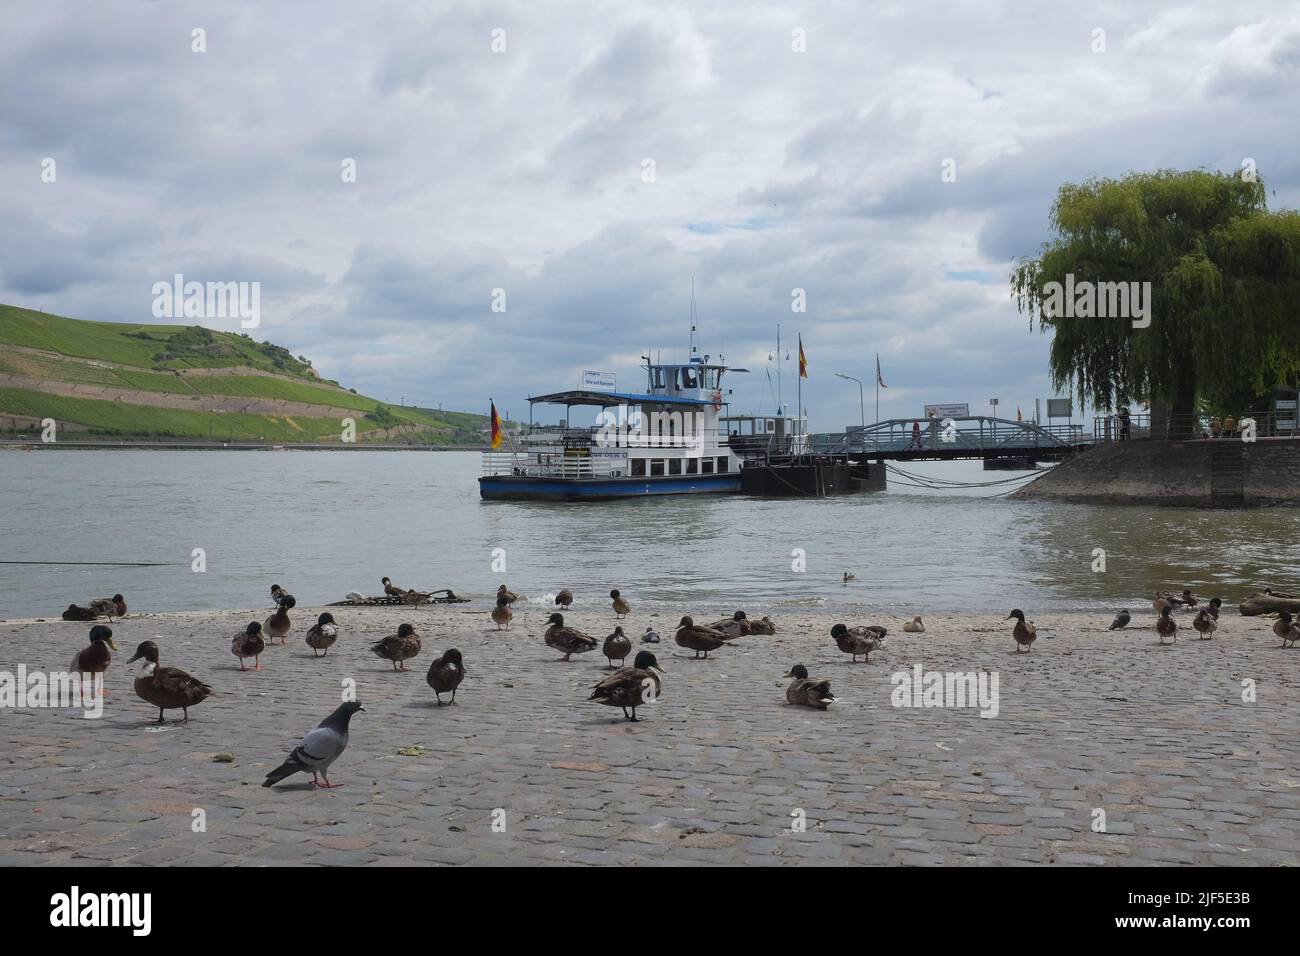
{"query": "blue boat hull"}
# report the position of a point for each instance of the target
(510, 488)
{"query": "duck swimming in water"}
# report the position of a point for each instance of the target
(1024, 632)
(166, 687)
(399, 647)
(249, 643)
(322, 635)
(859, 639)
(567, 640)
(631, 686)
(806, 692)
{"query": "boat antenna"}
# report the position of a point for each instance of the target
(694, 318)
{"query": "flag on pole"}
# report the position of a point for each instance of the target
(803, 360)
(1019, 417)
(879, 381)
(496, 427)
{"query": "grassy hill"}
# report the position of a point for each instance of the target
(174, 381)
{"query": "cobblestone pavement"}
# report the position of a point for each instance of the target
(719, 771)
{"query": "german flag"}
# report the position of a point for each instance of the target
(497, 434)
(803, 360)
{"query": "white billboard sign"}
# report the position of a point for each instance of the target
(603, 381)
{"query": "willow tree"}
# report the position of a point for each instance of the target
(1224, 302)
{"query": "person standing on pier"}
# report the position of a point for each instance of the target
(916, 436)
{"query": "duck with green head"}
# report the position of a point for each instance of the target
(631, 687)
(95, 658)
(805, 691)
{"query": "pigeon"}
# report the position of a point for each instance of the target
(649, 637)
(1121, 621)
(320, 748)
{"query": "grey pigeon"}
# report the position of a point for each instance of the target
(320, 748)
(649, 637)
(1121, 621)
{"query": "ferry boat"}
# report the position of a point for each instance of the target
(667, 440)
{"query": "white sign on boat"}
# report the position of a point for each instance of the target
(598, 380)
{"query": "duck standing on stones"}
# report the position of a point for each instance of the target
(621, 607)
(1284, 628)
(631, 686)
(1166, 626)
(914, 626)
(568, 640)
(1024, 632)
(1205, 624)
(564, 599)
(1121, 621)
(617, 645)
(109, 607)
(399, 647)
(735, 626)
(278, 624)
(249, 643)
(95, 658)
(501, 614)
(697, 637)
(322, 635)
(320, 748)
(166, 687)
(762, 626)
(859, 640)
(445, 674)
(806, 692)
(391, 589)
(504, 592)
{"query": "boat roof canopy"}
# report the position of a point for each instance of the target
(582, 396)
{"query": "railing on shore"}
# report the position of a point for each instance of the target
(1109, 428)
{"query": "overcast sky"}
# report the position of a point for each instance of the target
(523, 170)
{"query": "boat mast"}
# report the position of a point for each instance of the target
(778, 368)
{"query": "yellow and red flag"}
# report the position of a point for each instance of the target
(803, 360)
(496, 427)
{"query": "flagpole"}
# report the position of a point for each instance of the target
(877, 388)
(799, 395)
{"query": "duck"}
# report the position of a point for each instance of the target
(1205, 624)
(697, 637)
(568, 640)
(806, 692)
(859, 640)
(322, 635)
(166, 687)
(109, 607)
(446, 673)
(631, 686)
(1188, 599)
(762, 626)
(1160, 600)
(1214, 606)
(501, 614)
(1121, 621)
(735, 626)
(278, 624)
(651, 636)
(249, 642)
(914, 626)
(76, 612)
(278, 594)
(564, 599)
(1024, 632)
(510, 596)
(398, 647)
(391, 589)
(1285, 629)
(621, 607)
(95, 658)
(849, 576)
(617, 645)
(416, 597)
(1166, 626)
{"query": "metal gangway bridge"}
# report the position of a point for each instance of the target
(948, 439)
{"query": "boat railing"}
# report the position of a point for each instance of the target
(532, 465)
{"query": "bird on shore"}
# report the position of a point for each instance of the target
(399, 647)
(501, 614)
(416, 597)
(1121, 621)
(322, 635)
(446, 673)
(914, 626)
(1205, 624)
(1166, 626)
(568, 640)
(320, 748)
(504, 592)
(735, 626)
(391, 589)
(1160, 600)
(631, 686)
(278, 594)
(1285, 628)
(617, 646)
(249, 643)
(860, 639)
(1024, 632)
(166, 687)
(762, 626)
(698, 637)
(564, 599)
(621, 607)
(807, 692)
(95, 658)
(278, 624)
(76, 612)
(1214, 606)
(651, 636)
(109, 607)
(1188, 599)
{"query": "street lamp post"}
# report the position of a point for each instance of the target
(862, 407)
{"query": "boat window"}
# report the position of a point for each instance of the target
(692, 466)
(658, 376)
(674, 466)
(688, 378)
(722, 463)
(771, 425)
(638, 467)
(656, 467)
(706, 466)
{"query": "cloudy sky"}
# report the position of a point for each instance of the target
(524, 169)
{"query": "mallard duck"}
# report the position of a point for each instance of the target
(502, 614)
(1205, 624)
(249, 643)
(1214, 606)
(445, 674)
(617, 646)
(631, 686)
(76, 612)
(95, 658)
(1160, 600)
(735, 626)
(109, 607)
(166, 687)
(278, 594)
(568, 640)
(278, 624)
(621, 607)
(849, 576)
(1188, 599)
(1121, 621)
(762, 626)
(416, 597)
(510, 596)
(1285, 629)
(651, 636)
(859, 640)
(391, 589)
(1024, 632)
(914, 626)
(1166, 626)
(806, 692)
(697, 637)
(564, 599)
(322, 635)
(399, 647)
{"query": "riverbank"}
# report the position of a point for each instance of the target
(1157, 738)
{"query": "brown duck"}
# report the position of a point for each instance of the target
(1205, 623)
(1285, 628)
(735, 626)
(445, 674)
(697, 637)
(621, 607)
(1166, 626)
(399, 647)
(249, 643)
(1024, 632)
(564, 599)
(617, 647)
(109, 607)
(569, 640)
(322, 635)
(95, 658)
(631, 686)
(501, 614)
(278, 624)
(762, 626)
(166, 687)
(806, 692)
(862, 639)
(504, 592)
(391, 589)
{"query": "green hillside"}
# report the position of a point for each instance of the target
(168, 381)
